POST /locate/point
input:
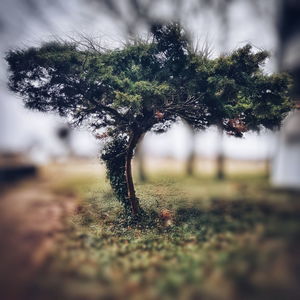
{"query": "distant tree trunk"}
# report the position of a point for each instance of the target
(268, 167)
(140, 157)
(135, 207)
(190, 163)
(220, 175)
(220, 167)
(190, 169)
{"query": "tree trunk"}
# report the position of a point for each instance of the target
(135, 207)
(140, 158)
(220, 160)
(190, 164)
(220, 167)
(191, 160)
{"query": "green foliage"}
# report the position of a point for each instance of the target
(148, 85)
(123, 88)
(113, 156)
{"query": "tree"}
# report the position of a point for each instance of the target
(147, 85)
(140, 158)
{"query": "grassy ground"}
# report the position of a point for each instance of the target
(233, 239)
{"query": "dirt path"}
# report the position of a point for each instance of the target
(32, 219)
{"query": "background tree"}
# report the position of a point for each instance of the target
(147, 85)
(191, 157)
(140, 159)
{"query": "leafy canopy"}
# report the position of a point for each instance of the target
(150, 84)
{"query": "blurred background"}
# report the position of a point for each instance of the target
(45, 149)
(219, 26)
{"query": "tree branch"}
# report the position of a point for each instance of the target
(109, 110)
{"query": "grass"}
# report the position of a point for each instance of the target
(232, 239)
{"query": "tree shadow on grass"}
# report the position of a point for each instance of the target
(239, 216)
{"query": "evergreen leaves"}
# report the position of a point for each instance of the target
(149, 85)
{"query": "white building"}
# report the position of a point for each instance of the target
(286, 165)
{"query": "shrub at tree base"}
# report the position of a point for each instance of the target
(147, 85)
